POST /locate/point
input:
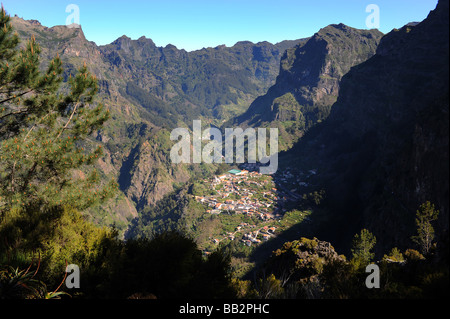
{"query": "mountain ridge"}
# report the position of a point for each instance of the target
(383, 149)
(308, 80)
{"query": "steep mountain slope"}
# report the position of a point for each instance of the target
(74, 50)
(383, 150)
(308, 83)
(212, 82)
(149, 90)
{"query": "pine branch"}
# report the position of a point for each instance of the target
(67, 124)
(13, 113)
(29, 175)
(16, 96)
(31, 129)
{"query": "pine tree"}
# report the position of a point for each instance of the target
(363, 244)
(44, 157)
(425, 215)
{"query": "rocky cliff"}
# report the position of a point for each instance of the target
(308, 81)
(383, 150)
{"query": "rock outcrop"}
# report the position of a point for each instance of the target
(308, 82)
(301, 259)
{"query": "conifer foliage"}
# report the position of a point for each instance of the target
(42, 130)
(46, 158)
(47, 177)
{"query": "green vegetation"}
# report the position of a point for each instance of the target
(168, 266)
(60, 163)
(395, 255)
(310, 268)
(425, 231)
(44, 159)
(292, 218)
(160, 111)
(363, 244)
(48, 177)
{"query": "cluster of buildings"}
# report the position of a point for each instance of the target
(250, 236)
(235, 193)
(257, 236)
(247, 193)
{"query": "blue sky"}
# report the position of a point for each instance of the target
(194, 24)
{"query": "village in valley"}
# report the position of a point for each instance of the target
(251, 196)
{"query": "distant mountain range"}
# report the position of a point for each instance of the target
(170, 84)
